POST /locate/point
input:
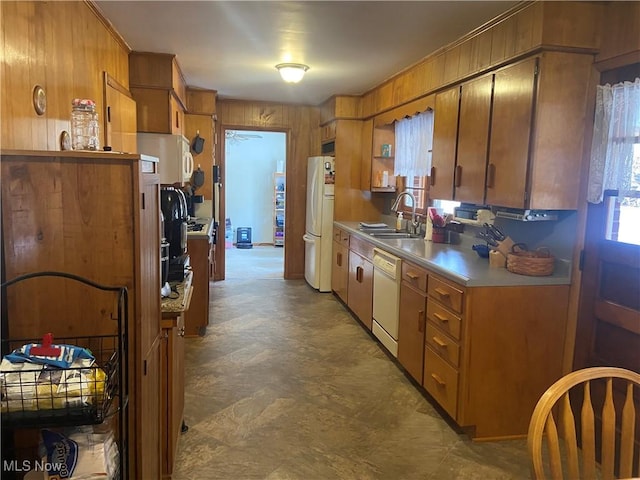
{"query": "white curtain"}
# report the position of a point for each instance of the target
(616, 129)
(414, 140)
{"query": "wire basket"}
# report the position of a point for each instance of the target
(52, 396)
(535, 263)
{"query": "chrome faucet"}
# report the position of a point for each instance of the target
(415, 224)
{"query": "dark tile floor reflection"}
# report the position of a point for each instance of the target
(287, 385)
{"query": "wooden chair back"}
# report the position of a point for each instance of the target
(577, 458)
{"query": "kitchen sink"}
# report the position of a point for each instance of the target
(393, 235)
(372, 231)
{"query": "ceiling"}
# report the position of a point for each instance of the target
(233, 46)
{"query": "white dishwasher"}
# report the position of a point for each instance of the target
(387, 274)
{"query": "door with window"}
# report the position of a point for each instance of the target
(608, 330)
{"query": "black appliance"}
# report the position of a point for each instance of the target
(174, 210)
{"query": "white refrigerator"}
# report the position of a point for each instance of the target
(319, 226)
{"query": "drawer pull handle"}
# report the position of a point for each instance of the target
(439, 342)
(438, 380)
(339, 259)
(441, 292)
(440, 317)
(413, 276)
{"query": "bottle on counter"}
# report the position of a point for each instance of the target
(84, 125)
(399, 221)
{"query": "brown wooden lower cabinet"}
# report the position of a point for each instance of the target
(148, 417)
(360, 287)
(411, 328)
(172, 394)
(340, 270)
(197, 318)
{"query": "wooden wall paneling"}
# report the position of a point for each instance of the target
(510, 26)
(451, 63)
(328, 110)
(481, 51)
(367, 104)
(498, 43)
(301, 124)
(402, 88)
(366, 153)
(201, 101)
(437, 70)
(558, 139)
(347, 106)
(464, 62)
(384, 96)
(573, 24)
(624, 38)
(528, 28)
(204, 125)
(41, 46)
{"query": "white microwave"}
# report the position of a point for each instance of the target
(174, 153)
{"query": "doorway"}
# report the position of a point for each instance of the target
(254, 203)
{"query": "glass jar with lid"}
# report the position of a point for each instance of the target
(84, 125)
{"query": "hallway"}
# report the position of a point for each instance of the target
(287, 385)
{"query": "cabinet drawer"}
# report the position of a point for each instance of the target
(361, 247)
(415, 276)
(441, 381)
(445, 320)
(443, 345)
(340, 236)
(445, 293)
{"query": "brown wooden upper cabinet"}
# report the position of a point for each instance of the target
(510, 133)
(445, 135)
(159, 89)
(473, 140)
(514, 138)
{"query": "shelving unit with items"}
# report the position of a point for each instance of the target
(278, 208)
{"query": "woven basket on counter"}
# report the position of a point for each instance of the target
(536, 263)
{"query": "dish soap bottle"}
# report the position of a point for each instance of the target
(399, 222)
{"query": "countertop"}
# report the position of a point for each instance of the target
(458, 262)
(173, 307)
(206, 232)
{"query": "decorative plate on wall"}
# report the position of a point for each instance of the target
(39, 100)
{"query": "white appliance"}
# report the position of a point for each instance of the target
(174, 153)
(387, 275)
(319, 227)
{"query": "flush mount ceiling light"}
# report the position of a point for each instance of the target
(292, 72)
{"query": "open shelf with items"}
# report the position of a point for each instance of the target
(55, 382)
(278, 208)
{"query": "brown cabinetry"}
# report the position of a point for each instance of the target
(96, 215)
(360, 282)
(172, 394)
(510, 133)
(148, 418)
(159, 89)
(412, 319)
(445, 134)
(442, 347)
(340, 264)
(197, 318)
(473, 140)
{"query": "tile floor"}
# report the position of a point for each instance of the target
(286, 384)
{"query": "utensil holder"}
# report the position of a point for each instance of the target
(497, 259)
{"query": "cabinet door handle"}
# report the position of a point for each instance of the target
(491, 175)
(432, 176)
(359, 271)
(439, 342)
(458, 176)
(339, 259)
(421, 321)
(438, 380)
(441, 292)
(413, 276)
(440, 317)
